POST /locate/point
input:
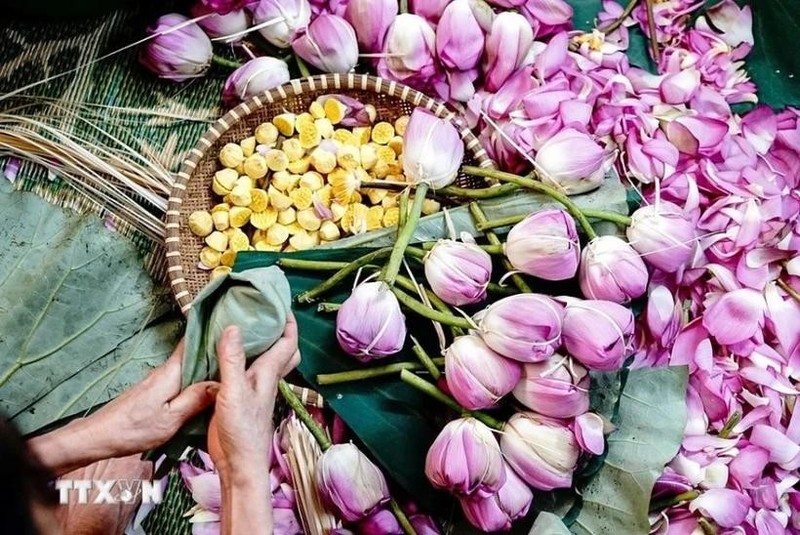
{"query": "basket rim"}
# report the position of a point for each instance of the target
(296, 87)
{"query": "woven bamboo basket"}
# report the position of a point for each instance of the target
(192, 189)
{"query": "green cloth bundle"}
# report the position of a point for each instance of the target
(257, 300)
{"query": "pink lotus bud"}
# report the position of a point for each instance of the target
(571, 161)
(356, 113)
(410, 48)
(557, 387)
(350, 482)
(542, 451)
(287, 19)
(371, 20)
(380, 522)
(221, 25)
(680, 87)
(507, 46)
(545, 245)
(223, 7)
(370, 324)
(498, 511)
(254, 77)
(432, 150)
(524, 327)
(477, 376)
(465, 459)
(612, 270)
(597, 333)
(459, 38)
(429, 9)
(663, 235)
(458, 272)
(328, 44)
(179, 49)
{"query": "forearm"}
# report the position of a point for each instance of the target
(246, 506)
(70, 447)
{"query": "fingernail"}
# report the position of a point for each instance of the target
(212, 390)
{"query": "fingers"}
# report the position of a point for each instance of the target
(279, 359)
(230, 352)
(193, 400)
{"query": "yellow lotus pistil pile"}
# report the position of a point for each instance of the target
(297, 183)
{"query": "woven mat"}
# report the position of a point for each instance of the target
(162, 120)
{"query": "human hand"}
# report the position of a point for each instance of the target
(239, 435)
(143, 417)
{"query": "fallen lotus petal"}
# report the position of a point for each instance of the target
(726, 507)
(498, 511)
(735, 316)
(589, 433)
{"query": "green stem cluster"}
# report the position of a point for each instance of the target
(404, 236)
(373, 372)
(431, 390)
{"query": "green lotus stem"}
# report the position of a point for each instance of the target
(651, 27)
(401, 517)
(403, 6)
(425, 359)
(416, 252)
(404, 236)
(435, 300)
(225, 62)
(301, 66)
(619, 20)
(495, 288)
(329, 307)
(371, 373)
(707, 527)
(662, 504)
(732, 422)
(620, 219)
(431, 314)
(300, 410)
(482, 193)
(480, 217)
(431, 390)
(403, 205)
(491, 249)
(311, 265)
(539, 187)
(339, 276)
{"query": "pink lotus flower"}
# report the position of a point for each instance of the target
(286, 18)
(597, 333)
(233, 22)
(432, 150)
(572, 162)
(350, 482)
(556, 387)
(459, 38)
(523, 327)
(545, 245)
(409, 47)
(458, 272)
(612, 270)
(498, 511)
(542, 451)
(507, 46)
(380, 522)
(370, 323)
(179, 49)
(255, 77)
(371, 20)
(328, 44)
(465, 459)
(477, 376)
(663, 235)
